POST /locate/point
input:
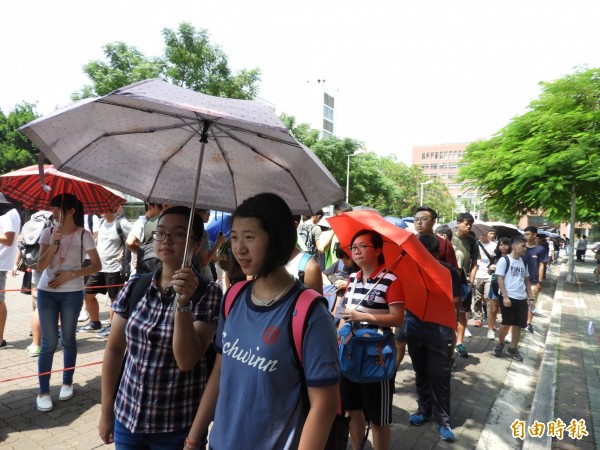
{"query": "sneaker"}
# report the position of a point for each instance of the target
(498, 349)
(66, 392)
(508, 338)
(44, 403)
(514, 352)
(83, 316)
(92, 326)
(104, 332)
(462, 351)
(491, 335)
(2, 343)
(530, 328)
(418, 419)
(33, 350)
(446, 433)
(467, 333)
(478, 323)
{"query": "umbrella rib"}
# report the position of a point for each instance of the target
(252, 148)
(220, 147)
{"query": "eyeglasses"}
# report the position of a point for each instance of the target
(176, 238)
(421, 219)
(361, 247)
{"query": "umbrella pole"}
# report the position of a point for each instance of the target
(203, 140)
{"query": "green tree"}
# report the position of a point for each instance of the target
(547, 159)
(16, 151)
(301, 131)
(189, 60)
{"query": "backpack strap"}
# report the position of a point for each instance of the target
(120, 232)
(507, 264)
(484, 250)
(302, 265)
(232, 295)
(306, 302)
(140, 284)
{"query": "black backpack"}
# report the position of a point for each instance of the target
(146, 258)
(307, 237)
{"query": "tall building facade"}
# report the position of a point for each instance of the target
(442, 161)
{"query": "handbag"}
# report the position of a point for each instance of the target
(26, 285)
(367, 355)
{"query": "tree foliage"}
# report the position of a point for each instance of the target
(391, 187)
(190, 60)
(544, 156)
(16, 151)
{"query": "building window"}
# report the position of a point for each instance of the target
(443, 166)
(434, 166)
(422, 156)
(327, 126)
(453, 165)
(328, 112)
(329, 100)
(436, 155)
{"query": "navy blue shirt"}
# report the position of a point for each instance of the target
(534, 256)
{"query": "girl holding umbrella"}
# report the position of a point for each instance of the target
(60, 290)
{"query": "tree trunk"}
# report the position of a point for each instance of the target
(570, 278)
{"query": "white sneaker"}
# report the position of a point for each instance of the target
(467, 333)
(508, 338)
(83, 316)
(66, 392)
(44, 403)
(491, 335)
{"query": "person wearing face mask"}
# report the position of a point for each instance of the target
(160, 340)
(60, 290)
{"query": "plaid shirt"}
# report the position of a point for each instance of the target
(154, 396)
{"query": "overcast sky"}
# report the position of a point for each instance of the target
(406, 72)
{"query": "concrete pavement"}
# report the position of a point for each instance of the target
(488, 393)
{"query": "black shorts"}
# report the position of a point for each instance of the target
(467, 299)
(516, 314)
(375, 399)
(97, 283)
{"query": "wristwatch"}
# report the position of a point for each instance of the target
(184, 309)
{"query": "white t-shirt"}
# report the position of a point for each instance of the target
(71, 251)
(137, 230)
(484, 261)
(110, 244)
(9, 222)
(514, 278)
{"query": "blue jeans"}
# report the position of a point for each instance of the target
(126, 440)
(50, 305)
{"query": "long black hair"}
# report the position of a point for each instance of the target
(69, 201)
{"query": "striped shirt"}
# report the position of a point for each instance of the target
(154, 396)
(376, 295)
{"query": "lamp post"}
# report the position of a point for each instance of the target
(357, 152)
(423, 184)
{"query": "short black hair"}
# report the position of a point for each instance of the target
(465, 216)
(445, 230)
(376, 239)
(69, 201)
(276, 219)
(431, 211)
(197, 224)
(517, 240)
(531, 228)
(431, 243)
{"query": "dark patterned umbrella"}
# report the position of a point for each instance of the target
(26, 187)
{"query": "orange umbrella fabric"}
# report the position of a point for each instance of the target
(25, 187)
(427, 284)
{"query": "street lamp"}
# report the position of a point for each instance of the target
(423, 184)
(357, 152)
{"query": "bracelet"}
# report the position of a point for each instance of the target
(191, 443)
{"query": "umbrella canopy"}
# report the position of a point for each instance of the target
(548, 234)
(219, 223)
(427, 284)
(396, 221)
(27, 187)
(153, 139)
(505, 229)
(480, 228)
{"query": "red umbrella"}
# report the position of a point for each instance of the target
(427, 284)
(27, 187)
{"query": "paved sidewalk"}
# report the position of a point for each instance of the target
(488, 393)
